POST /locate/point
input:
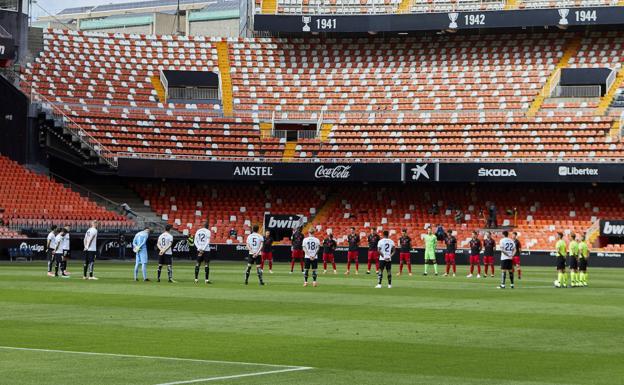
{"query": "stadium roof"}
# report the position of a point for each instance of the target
(217, 10)
(117, 22)
(133, 5)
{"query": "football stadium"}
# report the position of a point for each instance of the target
(311, 192)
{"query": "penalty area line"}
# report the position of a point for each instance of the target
(235, 376)
(285, 367)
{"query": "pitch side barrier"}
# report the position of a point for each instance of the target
(108, 248)
(310, 22)
(365, 171)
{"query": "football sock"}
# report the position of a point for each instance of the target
(159, 271)
(90, 269)
(379, 277)
(389, 271)
(301, 263)
(511, 277)
(50, 263)
(56, 268)
(492, 267)
(357, 265)
(369, 265)
(305, 275)
(85, 267)
(504, 277)
(259, 272)
(324, 265)
(409, 267)
(63, 267)
(426, 267)
(334, 265)
(454, 268)
(196, 271)
(207, 271)
(144, 270)
(560, 278)
(486, 269)
(292, 264)
(262, 263)
(471, 269)
(348, 265)
(136, 270)
(169, 272)
(270, 264)
(479, 269)
(435, 268)
(448, 268)
(314, 275)
(565, 279)
(400, 267)
(519, 273)
(247, 272)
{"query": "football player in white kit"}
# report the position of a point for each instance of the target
(508, 248)
(165, 253)
(50, 246)
(254, 245)
(386, 249)
(311, 247)
(202, 243)
(90, 250)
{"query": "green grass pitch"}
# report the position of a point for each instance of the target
(425, 330)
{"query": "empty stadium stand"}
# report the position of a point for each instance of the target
(30, 200)
(448, 97)
(541, 211)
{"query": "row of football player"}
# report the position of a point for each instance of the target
(58, 251)
(382, 253)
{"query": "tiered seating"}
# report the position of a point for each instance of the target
(337, 6)
(6, 233)
(416, 97)
(33, 200)
(541, 212)
(227, 206)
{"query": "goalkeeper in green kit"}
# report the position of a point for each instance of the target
(431, 242)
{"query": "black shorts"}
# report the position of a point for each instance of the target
(50, 254)
(573, 263)
(561, 263)
(90, 256)
(311, 264)
(254, 260)
(383, 264)
(165, 259)
(66, 254)
(582, 264)
(205, 257)
(506, 264)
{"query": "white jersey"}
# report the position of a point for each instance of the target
(58, 244)
(254, 243)
(507, 248)
(386, 247)
(90, 239)
(51, 240)
(311, 247)
(202, 239)
(66, 242)
(165, 241)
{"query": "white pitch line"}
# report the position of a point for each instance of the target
(234, 376)
(289, 367)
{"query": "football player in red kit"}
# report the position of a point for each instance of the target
(329, 247)
(297, 249)
(267, 251)
(449, 256)
(352, 254)
(489, 244)
(405, 244)
(516, 258)
(373, 253)
(475, 250)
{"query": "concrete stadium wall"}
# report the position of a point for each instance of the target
(221, 28)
